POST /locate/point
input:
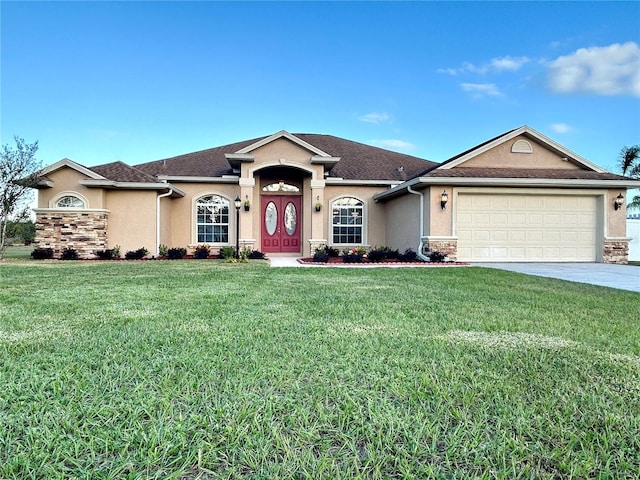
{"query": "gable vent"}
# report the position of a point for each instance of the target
(521, 146)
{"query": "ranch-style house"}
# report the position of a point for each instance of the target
(517, 197)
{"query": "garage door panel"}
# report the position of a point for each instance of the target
(526, 227)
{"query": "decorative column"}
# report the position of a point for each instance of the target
(247, 238)
(318, 218)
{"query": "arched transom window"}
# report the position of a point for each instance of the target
(70, 201)
(280, 187)
(212, 222)
(347, 221)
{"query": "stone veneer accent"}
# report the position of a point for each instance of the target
(448, 247)
(86, 232)
(615, 251)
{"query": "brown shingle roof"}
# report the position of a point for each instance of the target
(561, 174)
(121, 172)
(358, 161)
(205, 163)
(364, 162)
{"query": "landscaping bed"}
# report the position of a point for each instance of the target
(339, 261)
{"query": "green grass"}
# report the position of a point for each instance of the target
(18, 251)
(201, 369)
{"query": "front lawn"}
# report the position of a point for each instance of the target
(201, 369)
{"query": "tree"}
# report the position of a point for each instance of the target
(629, 159)
(18, 174)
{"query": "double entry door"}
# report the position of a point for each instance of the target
(281, 220)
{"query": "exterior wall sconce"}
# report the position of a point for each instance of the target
(443, 200)
(318, 204)
(617, 203)
(247, 203)
(237, 203)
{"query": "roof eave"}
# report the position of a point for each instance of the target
(424, 182)
(113, 185)
(190, 179)
(368, 183)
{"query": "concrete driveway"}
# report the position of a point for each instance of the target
(624, 277)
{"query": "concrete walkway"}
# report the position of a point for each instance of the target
(623, 277)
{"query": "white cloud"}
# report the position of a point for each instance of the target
(375, 117)
(561, 128)
(393, 144)
(508, 63)
(479, 90)
(612, 70)
(498, 64)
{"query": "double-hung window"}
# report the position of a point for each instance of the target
(347, 221)
(212, 222)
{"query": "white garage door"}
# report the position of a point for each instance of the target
(521, 228)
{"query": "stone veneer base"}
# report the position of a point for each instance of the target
(85, 232)
(615, 251)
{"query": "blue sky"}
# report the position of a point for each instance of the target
(139, 81)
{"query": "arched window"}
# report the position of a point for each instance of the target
(212, 219)
(70, 201)
(280, 187)
(347, 221)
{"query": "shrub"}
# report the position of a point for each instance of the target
(321, 255)
(256, 255)
(202, 251)
(332, 251)
(243, 255)
(436, 256)
(176, 253)
(136, 254)
(352, 258)
(42, 253)
(163, 250)
(391, 254)
(377, 254)
(353, 255)
(69, 254)
(105, 254)
(409, 255)
(116, 251)
(227, 253)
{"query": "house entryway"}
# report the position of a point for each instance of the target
(281, 221)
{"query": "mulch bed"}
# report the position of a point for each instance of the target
(338, 262)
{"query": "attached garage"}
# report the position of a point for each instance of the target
(527, 227)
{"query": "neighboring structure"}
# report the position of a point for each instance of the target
(633, 231)
(517, 197)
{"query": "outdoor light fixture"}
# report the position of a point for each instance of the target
(617, 203)
(443, 199)
(237, 202)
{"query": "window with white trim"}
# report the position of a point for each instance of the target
(70, 201)
(212, 219)
(347, 221)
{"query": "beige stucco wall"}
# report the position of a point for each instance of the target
(179, 229)
(281, 149)
(132, 219)
(403, 222)
(375, 233)
(502, 157)
(616, 219)
(65, 180)
(440, 221)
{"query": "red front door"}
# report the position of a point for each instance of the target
(281, 219)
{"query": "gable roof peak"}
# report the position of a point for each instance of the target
(67, 162)
(283, 134)
(510, 135)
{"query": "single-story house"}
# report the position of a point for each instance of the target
(517, 197)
